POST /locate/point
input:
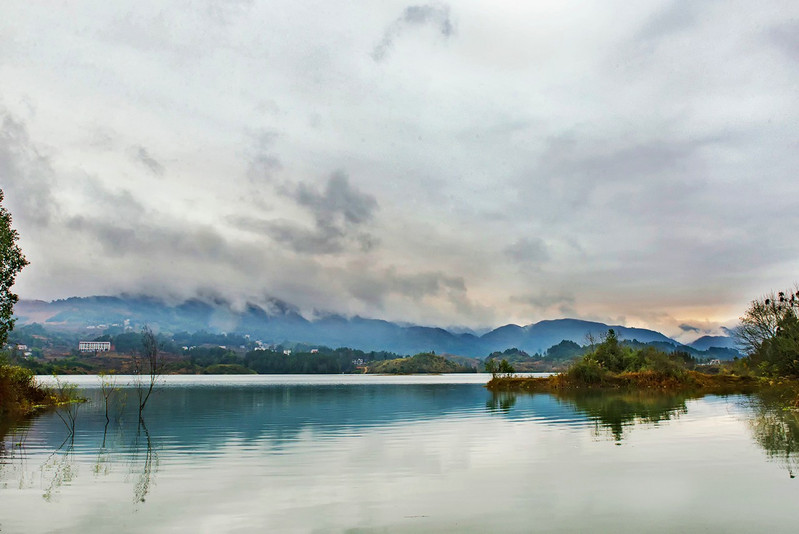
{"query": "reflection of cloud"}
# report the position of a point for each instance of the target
(434, 14)
(229, 478)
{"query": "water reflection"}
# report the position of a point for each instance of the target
(382, 457)
(59, 468)
(618, 412)
(611, 411)
(144, 462)
(775, 427)
(501, 401)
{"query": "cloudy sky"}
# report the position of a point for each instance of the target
(468, 163)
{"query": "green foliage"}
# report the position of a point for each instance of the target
(128, 343)
(565, 350)
(11, 263)
(769, 330)
(425, 362)
(268, 362)
(611, 357)
(587, 371)
(228, 369)
(505, 368)
(19, 393)
(498, 368)
(779, 355)
(610, 354)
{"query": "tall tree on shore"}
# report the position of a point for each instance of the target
(769, 333)
(11, 263)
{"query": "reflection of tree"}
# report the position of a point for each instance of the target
(777, 431)
(70, 400)
(501, 401)
(616, 411)
(101, 466)
(12, 451)
(59, 467)
(149, 467)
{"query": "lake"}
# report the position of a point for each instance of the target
(355, 453)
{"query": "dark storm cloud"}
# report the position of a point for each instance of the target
(339, 212)
(152, 241)
(374, 287)
(317, 240)
(527, 251)
(26, 175)
(143, 157)
(434, 14)
(545, 299)
(339, 204)
(688, 328)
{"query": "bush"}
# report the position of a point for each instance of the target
(18, 391)
(587, 371)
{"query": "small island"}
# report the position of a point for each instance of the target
(611, 365)
(424, 363)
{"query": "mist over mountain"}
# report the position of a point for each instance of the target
(707, 342)
(280, 322)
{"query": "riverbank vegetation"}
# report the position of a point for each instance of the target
(20, 395)
(768, 332)
(613, 365)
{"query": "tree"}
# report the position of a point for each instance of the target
(11, 263)
(762, 319)
(491, 367)
(609, 353)
(769, 333)
(147, 367)
(506, 368)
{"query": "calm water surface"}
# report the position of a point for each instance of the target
(398, 454)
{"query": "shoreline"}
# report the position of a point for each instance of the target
(650, 381)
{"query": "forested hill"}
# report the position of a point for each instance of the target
(278, 322)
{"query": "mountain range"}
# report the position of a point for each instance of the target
(279, 322)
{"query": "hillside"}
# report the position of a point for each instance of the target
(710, 342)
(279, 322)
(425, 363)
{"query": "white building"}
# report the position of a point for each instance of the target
(94, 346)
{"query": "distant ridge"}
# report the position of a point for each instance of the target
(280, 322)
(708, 342)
